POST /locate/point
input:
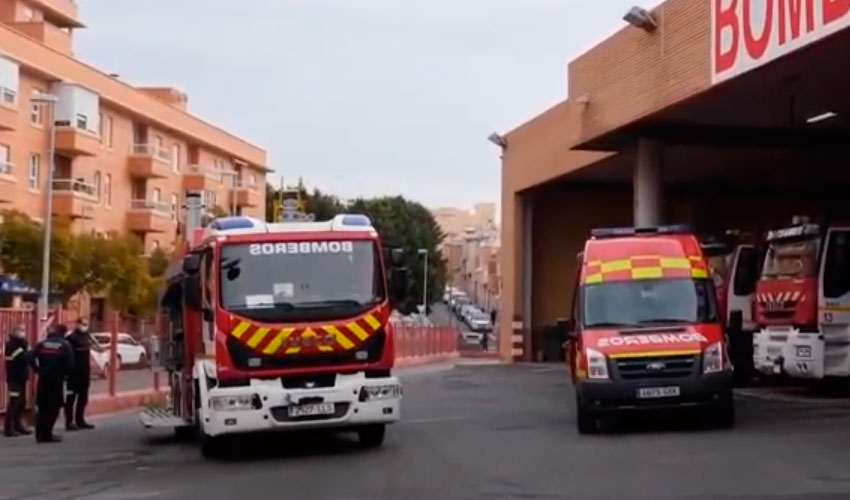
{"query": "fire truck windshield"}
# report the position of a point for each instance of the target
(792, 258)
(648, 302)
(300, 281)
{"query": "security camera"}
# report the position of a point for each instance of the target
(641, 18)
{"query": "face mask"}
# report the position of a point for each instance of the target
(84, 328)
(19, 334)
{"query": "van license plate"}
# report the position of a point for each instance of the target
(804, 351)
(658, 392)
(311, 410)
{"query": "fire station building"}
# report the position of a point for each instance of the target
(721, 114)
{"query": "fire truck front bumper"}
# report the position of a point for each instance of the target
(266, 405)
(769, 346)
(804, 356)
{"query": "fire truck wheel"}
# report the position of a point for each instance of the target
(585, 419)
(372, 436)
(726, 411)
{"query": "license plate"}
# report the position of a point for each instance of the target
(658, 392)
(804, 351)
(311, 410)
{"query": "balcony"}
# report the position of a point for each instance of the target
(62, 13)
(247, 196)
(46, 33)
(149, 162)
(147, 216)
(73, 141)
(9, 116)
(201, 178)
(74, 198)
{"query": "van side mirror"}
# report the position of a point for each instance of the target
(397, 257)
(192, 292)
(192, 263)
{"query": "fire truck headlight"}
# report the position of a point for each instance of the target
(378, 392)
(712, 358)
(236, 402)
(597, 365)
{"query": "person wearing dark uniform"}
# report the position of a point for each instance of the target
(17, 355)
(52, 360)
(79, 379)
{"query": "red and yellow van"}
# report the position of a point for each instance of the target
(645, 331)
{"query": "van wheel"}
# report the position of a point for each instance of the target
(372, 436)
(212, 447)
(726, 411)
(585, 419)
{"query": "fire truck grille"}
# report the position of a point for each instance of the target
(246, 359)
(656, 366)
(281, 414)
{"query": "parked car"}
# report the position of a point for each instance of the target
(99, 361)
(479, 321)
(130, 351)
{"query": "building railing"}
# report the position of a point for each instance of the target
(152, 205)
(153, 151)
(204, 170)
(76, 186)
(244, 184)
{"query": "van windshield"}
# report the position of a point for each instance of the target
(648, 302)
(792, 258)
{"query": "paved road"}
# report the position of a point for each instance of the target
(127, 380)
(484, 432)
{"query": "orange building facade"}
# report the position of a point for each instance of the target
(723, 114)
(124, 156)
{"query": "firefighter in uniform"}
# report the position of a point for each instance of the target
(17, 373)
(79, 379)
(52, 360)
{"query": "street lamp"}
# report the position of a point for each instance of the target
(48, 100)
(424, 252)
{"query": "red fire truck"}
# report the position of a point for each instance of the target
(803, 303)
(645, 333)
(279, 327)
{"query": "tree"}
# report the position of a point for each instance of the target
(323, 206)
(410, 226)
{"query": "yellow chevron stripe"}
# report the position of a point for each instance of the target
(258, 337)
(275, 344)
(652, 353)
(340, 337)
(240, 329)
(361, 333)
(292, 350)
(372, 321)
(325, 348)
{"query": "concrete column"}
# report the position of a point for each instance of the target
(648, 189)
(527, 276)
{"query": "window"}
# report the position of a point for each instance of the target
(9, 95)
(97, 185)
(836, 276)
(639, 303)
(157, 195)
(5, 160)
(34, 173)
(36, 116)
(159, 143)
(27, 14)
(175, 158)
(82, 121)
(109, 131)
(252, 179)
(174, 205)
(107, 190)
(101, 123)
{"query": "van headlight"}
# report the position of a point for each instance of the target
(712, 358)
(597, 365)
(236, 402)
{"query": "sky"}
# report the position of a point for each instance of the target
(361, 98)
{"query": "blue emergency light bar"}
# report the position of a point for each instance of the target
(619, 232)
(228, 223)
(356, 220)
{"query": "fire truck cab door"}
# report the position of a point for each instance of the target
(834, 302)
(742, 285)
(208, 291)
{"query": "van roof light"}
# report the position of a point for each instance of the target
(616, 232)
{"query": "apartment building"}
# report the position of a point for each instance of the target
(124, 156)
(472, 264)
(453, 221)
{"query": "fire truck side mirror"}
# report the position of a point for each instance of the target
(400, 282)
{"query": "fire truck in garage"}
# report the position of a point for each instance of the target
(645, 333)
(273, 327)
(803, 303)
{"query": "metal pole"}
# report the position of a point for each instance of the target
(233, 194)
(425, 287)
(48, 219)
